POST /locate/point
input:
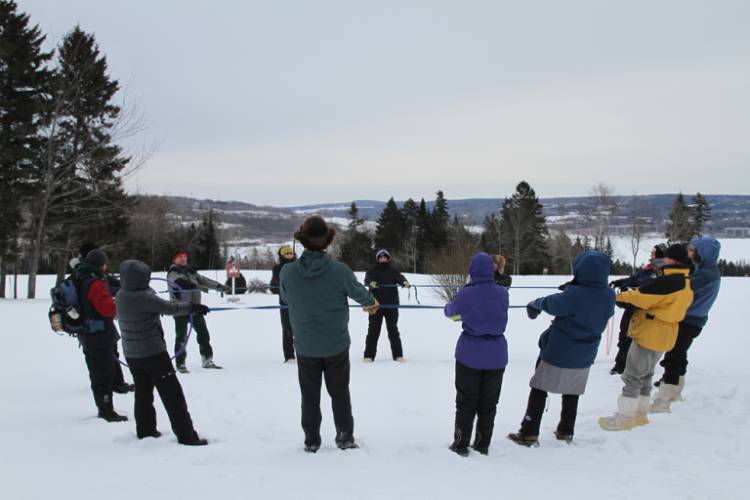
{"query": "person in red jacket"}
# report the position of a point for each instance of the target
(100, 334)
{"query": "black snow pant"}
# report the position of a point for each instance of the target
(287, 341)
(117, 376)
(623, 341)
(335, 370)
(199, 329)
(675, 361)
(157, 371)
(98, 349)
(535, 408)
(477, 394)
(373, 333)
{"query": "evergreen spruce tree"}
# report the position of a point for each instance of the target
(389, 232)
(356, 245)
(439, 221)
(491, 239)
(23, 84)
(412, 244)
(679, 227)
(701, 213)
(525, 229)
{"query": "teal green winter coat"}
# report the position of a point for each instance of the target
(316, 289)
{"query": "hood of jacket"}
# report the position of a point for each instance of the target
(592, 269)
(708, 248)
(134, 275)
(482, 268)
(313, 264)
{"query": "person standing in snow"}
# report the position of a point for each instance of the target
(705, 281)
(138, 311)
(100, 334)
(661, 305)
(316, 289)
(382, 279)
(190, 284)
(501, 278)
(568, 347)
(286, 256)
(481, 355)
(648, 272)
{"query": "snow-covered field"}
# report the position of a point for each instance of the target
(53, 446)
(732, 249)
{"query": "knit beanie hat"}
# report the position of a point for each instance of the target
(96, 258)
(314, 233)
(86, 248)
(178, 254)
(382, 253)
(678, 252)
(659, 250)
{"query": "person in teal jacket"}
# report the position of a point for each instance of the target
(317, 289)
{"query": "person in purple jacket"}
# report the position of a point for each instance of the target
(481, 354)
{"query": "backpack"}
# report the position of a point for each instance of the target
(65, 312)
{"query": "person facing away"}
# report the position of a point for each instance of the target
(705, 280)
(567, 349)
(660, 306)
(481, 355)
(646, 273)
(100, 336)
(316, 289)
(139, 310)
(382, 278)
(286, 256)
(501, 278)
(189, 285)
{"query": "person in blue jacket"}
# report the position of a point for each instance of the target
(481, 354)
(705, 281)
(568, 347)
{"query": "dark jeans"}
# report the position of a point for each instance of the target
(157, 371)
(675, 361)
(335, 370)
(535, 408)
(199, 329)
(373, 333)
(287, 341)
(623, 341)
(477, 394)
(98, 349)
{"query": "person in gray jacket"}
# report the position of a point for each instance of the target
(138, 311)
(188, 289)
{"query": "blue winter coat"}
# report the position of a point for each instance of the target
(581, 313)
(705, 280)
(483, 307)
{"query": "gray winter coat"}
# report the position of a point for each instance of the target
(138, 310)
(191, 282)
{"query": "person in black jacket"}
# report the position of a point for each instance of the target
(286, 256)
(138, 311)
(382, 279)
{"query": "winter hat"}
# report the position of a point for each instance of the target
(382, 252)
(678, 252)
(96, 258)
(178, 254)
(285, 250)
(659, 250)
(314, 233)
(86, 248)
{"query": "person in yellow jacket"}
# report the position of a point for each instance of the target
(659, 305)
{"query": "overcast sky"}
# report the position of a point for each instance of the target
(286, 103)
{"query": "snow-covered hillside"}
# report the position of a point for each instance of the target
(53, 446)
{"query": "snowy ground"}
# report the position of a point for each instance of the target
(53, 446)
(732, 249)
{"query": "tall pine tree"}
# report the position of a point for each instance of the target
(356, 244)
(701, 213)
(389, 232)
(679, 226)
(23, 83)
(524, 227)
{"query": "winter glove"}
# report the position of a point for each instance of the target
(221, 288)
(532, 311)
(406, 284)
(199, 309)
(617, 283)
(566, 285)
(372, 308)
(457, 317)
(373, 284)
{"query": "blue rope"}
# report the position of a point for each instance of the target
(351, 306)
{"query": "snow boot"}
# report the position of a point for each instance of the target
(312, 448)
(400, 359)
(152, 434)
(182, 369)
(461, 451)
(562, 436)
(680, 387)
(617, 370)
(523, 439)
(368, 360)
(193, 440)
(345, 441)
(123, 388)
(644, 404)
(106, 409)
(667, 393)
(625, 418)
(209, 363)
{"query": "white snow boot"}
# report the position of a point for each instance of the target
(209, 363)
(667, 393)
(644, 405)
(626, 416)
(681, 386)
